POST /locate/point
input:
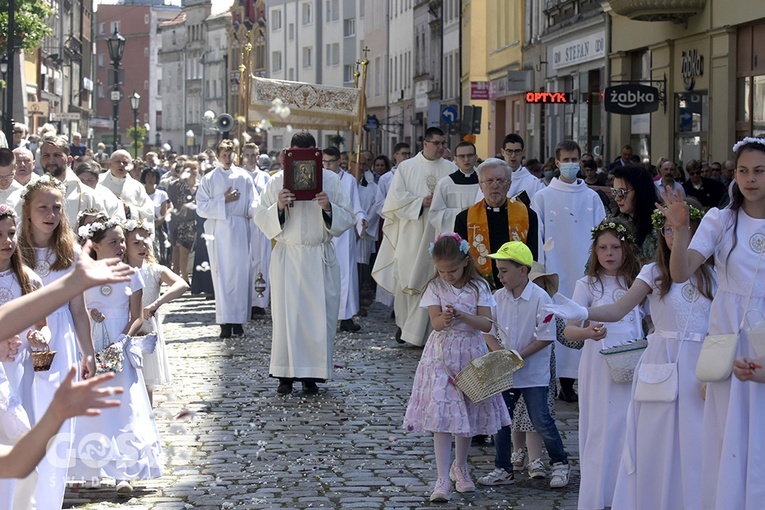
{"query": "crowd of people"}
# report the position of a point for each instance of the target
(463, 250)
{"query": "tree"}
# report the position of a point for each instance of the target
(31, 20)
(136, 136)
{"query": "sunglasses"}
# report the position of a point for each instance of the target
(620, 192)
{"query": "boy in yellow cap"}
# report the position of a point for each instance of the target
(519, 305)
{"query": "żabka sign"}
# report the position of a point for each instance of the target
(549, 97)
(631, 99)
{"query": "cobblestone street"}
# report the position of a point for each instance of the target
(231, 442)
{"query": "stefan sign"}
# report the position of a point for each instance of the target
(581, 50)
(631, 99)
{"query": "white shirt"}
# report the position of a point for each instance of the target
(521, 321)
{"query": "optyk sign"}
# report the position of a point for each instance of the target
(631, 99)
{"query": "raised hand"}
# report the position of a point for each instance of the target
(90, 272)
(675, 209)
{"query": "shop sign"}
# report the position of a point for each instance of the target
(498, 88)
(631, 99)
(479, 90)
(692, 65)
(587, 48)
(549, 97)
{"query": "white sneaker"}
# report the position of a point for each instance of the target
(560, 475)
(518, 458)
(497, 477)
(537, 469)
(123, 487)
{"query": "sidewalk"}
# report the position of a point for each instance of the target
(232, 442)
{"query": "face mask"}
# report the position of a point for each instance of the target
(569, 170)
(32, 146)
(549, 174)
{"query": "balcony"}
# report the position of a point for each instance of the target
(676, 11)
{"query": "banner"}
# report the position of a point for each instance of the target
(311, 106)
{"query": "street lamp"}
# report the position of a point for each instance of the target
(135, 102)
(116, 45)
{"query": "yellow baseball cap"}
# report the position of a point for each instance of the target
(515, 251)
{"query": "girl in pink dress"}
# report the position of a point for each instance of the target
(459, 302)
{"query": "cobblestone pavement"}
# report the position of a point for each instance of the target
(243, 446)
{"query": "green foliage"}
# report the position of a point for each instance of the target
(137, 137)
(337, 140)
(31, 23)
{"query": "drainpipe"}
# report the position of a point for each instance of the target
(607, 77)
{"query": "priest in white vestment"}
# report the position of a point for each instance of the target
(131, 191)
(456, 192)
(345, 243)
(401, 152)
(305, 275)
(567, 211)
(260, 251)
(225, 198)
(404, 264)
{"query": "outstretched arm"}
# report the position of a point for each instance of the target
(616, 311)
(23, 312)
(71, 399)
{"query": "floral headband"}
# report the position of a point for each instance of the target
(86, 232)
(620, 230)
(463, 245)
(658, 218)
(131, 225)
(45, 181)
(7, 212)
(747, 141)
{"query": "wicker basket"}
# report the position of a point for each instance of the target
(489, 374)
(623, 359)
(42, 359)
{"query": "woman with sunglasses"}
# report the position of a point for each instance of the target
(635, 194)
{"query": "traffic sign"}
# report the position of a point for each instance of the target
(372, 122)
(117, 95)
(449, 113)
(64, 116)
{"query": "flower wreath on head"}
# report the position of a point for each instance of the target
(86, 232)
(7, 212)
(46, 181)
(463, 245)
(658, 218)
(621, 231)
(131, 225)
(746, 141)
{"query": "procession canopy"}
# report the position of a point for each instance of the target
(311, 106)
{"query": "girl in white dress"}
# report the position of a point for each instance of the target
(661, 463)
(459, 302)
(121, 443)
(138, 254)
(612, 268)
(17, 374)
(734, 410)
(48, 246)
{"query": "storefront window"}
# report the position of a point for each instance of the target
(758, 106)
(692, 114)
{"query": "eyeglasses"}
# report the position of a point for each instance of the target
(495, 182)
(328, 161)
(404, 153)
(513, 151)
(694, 173)
(465, 156)
(6, 177)
(667, 231)
(620, 192)
(440, 144)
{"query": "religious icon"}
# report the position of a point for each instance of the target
(303, 172)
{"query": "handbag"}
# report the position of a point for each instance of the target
(487, 375)
(719, 351)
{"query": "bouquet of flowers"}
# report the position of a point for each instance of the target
(110, 359)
